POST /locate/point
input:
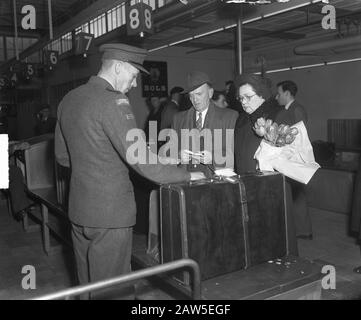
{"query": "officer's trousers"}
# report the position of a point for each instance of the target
(102, 254)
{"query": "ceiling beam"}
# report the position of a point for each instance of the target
(195, 11)
(317, 9)
(251, 33)
(72, 10)
(272, 33)
(258, 11)
(202, 47)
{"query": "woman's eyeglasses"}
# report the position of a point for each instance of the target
(247, 98)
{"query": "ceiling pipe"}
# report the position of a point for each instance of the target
(178, 8)
(315, 48)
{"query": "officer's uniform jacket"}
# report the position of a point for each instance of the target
(90, 137)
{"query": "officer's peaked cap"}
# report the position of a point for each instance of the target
(123, 52)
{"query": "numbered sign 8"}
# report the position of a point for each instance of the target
(139, 19)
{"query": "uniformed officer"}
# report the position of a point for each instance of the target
(93, 121)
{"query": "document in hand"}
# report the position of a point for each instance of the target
(295, 160)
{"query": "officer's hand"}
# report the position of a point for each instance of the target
(168, 160)
(18, 146)
(206, 157)
(185, 156)
(23, 146)
(197, 176)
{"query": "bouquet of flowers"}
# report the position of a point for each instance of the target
(285, 149)
(274, 134)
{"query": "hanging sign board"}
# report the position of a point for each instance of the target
(29, 70)
(83, 42)
(139, 19)
(51, 58)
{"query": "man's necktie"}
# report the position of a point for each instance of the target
(199, 121)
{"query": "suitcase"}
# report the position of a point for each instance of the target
(37, 162)
(224, 226)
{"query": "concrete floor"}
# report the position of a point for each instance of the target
(331, 245)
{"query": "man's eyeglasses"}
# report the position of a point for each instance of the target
(247, 98)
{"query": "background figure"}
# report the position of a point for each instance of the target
(231, 96)
(255, 94)
(291, 113)
(185, 102)
(171, 107)
(219, 99)
(156, 108)
(44, 122)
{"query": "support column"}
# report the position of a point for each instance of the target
(50, 20)
(239, 40)
(15, 31)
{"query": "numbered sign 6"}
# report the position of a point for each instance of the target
(139, 19)
(51, 58)
(83, 42)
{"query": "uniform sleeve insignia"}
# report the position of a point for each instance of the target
(129, 116)
(122, 101)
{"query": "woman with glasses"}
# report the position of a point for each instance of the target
(255, 95)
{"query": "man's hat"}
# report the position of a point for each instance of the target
(195, 79)
(123, 52)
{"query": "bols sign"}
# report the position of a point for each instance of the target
(156, 83)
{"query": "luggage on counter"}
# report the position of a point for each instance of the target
(224, 226)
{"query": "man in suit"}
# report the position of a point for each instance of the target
(93, 122)
(206, 119)
(292, 113)
(171, 108)
(45, 123)
(286, 97)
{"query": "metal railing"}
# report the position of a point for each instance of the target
(169, 267)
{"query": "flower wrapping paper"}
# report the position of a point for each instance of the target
(295, 160)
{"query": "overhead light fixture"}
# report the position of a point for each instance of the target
(256, 1)
(250, 1)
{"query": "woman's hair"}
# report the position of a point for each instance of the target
(261, 86)
(217, 94)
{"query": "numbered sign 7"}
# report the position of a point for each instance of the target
(82, 43)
